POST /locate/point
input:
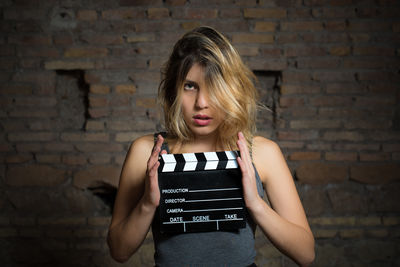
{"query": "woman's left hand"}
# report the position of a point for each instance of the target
(250, 193)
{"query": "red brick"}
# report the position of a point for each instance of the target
(340, 50)
(74, 160)
(265, 26)
(371, 25)
(85, 137)
(125, 89)
(19, 14)
(123, 14)
(305, 50)
(68, 65)
(161, 25)
(146, 102)
(190, 25)
(7, 63)
(6, 147)
(298, 135)
(267, 13)
(33, 147)
(99, 89)
(291, 101)
(341, 156)
(140, 2)
(43, 80)
(331, 101)
(334, 76)
(102, 39)
(336, 25)
(290, 89)
(31, 136)
(314, 124)
(368, 124)
(98, 112)
(69, 221)
(375, 156)
(99, 221)
(35, 101)
(15, 89)
(287, 38)
(305, 155)
(136, 38)
(357, 147)
(59, 147)
(300, 26)
(7, 50)
(120, 101)
(48, 158)
(373, 51)
(378, 76)
(97, 101)
(317, 63)
(375, 173)
(100, 148)
(157, 13)
(100, 159)
(126, 63)
(360, 37)
(345, 88)
(375, 101)
(194, 13)
(267, 64)
(19, 158)
(92, 125)
(252, 38)
(85, 52)
(266, 51)
(38, 51)
(294, 77)
(97, 174)
(393, 147)
(63, 39)
(34, 175)
(87, 15)
(229, 13)
(29, 39)
(343, 136)
(321, 173)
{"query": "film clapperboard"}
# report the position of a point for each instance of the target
(200, 192)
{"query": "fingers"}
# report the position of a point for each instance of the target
(244, 150)
(156, 151)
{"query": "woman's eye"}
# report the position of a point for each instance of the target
(188, 86)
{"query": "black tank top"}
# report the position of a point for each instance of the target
(219, 248)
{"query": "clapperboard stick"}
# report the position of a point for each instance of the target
(201, 188)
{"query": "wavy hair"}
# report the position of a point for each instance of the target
(230, 85)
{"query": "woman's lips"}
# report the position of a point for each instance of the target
(202, 120)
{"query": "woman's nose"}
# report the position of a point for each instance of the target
(202, 99)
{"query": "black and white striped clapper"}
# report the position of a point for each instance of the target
(200, 192)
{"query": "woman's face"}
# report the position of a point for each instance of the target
(202, 118)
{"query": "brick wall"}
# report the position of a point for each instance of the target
(78, 84)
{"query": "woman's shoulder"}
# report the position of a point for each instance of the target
(142, 145)
(266, 156)
(264, 145)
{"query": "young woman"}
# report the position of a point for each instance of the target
(209, 103)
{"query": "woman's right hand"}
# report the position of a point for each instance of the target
(151, 196)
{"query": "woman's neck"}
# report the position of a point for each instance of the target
(196, 145)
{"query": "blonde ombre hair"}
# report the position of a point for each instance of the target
(229, 82)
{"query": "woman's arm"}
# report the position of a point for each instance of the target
(137, 199)
(285, 224)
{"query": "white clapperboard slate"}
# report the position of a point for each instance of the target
(200, 192)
